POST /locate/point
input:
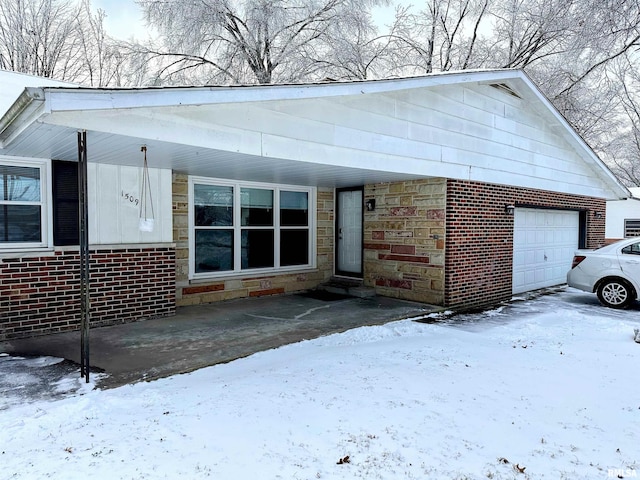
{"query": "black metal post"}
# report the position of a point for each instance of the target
(83, 227)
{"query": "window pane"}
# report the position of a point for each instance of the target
(20, 184)
(257, 207)
(633, 249)
(294, 247)
(632, 228)
(214, 250)
(20, 223)
(65, 203)
(213, 205)
(294, 209)
(257, 248)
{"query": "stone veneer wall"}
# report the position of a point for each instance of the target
(479, 244)
(404, 239)
(248, 285)
(39, 293)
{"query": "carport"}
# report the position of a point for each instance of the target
(203, 335)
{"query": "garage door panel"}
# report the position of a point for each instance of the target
(543, 246)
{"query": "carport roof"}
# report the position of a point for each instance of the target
(184, 129)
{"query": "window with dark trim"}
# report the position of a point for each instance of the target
(632, 228)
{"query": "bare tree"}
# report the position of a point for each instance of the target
(577, 71)
(263, 41)
(35, 35)
(351, 50)
(445, 35)
(101, 60)
(527, 31)
(623, 152)
(58, 39)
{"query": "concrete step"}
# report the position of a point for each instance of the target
(349, 287)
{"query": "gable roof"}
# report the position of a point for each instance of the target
(493, 126)
(14, 83)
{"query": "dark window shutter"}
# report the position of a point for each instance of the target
(65, 203)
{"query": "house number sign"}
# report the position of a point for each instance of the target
(130, 199)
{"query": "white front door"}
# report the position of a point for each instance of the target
(543, 245)
(349, 232)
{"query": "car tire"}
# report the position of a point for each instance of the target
(615, 293)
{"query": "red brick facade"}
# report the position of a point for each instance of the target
(479, 239)
(39, 294)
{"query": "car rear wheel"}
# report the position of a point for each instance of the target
(615, 293)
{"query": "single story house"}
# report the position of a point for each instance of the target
(458, 189)
(623, 217)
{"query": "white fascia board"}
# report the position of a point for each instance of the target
(70, 99)
(28, 108)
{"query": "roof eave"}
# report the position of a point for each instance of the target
(119, 98)
(24, 111)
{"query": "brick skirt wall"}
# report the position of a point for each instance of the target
(40, 294)
(479, 241)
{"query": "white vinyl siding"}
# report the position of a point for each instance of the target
(114, 204)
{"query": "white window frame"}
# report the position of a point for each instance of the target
(237, 227)
(46, 207)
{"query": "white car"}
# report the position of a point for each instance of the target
(612, 272)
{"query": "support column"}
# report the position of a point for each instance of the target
(83, 224)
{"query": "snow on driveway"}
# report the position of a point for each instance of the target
(543, 388)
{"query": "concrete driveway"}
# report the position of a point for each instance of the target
(205, 335)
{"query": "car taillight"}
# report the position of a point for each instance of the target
(576, 260)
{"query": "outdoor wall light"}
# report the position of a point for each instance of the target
(597, 214)
(509, 209)
(370, 205)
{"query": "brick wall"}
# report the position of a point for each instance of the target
(404, 239)
(39, 294)
(214, 290)
(325, 234)
(479, 243)
(180, 192)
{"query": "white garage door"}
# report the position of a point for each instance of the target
(543, 246)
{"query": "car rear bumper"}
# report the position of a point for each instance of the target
(577, 279)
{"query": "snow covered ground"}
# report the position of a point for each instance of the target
(543, 388)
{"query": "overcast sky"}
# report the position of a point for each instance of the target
(124, 18)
